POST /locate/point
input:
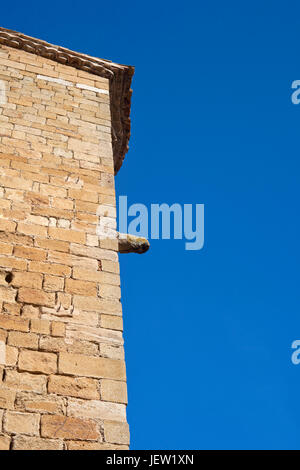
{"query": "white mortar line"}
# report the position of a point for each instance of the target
(92, 88)
(66, 83)
(55, 80)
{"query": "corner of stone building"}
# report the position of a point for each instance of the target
(62, 367)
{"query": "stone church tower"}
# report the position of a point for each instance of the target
(64, 131)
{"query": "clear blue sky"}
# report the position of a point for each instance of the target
(208, 333)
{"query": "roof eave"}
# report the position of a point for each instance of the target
(119, 75)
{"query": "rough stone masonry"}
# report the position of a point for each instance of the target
(64, 130)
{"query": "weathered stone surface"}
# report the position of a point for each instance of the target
(11, 356)
(114, 390)
(7, 397)
(23, 340)
(74, 387)
(68, 428)
(31, 280)
(96, 276)
(7, 294)
(116, 433)
(36, 361)
(36, 297)
(36, 443)
(31, 312)
(40, 326)
(89, 366)
(21, 423)
(58, 329)
(25, 382)
(9, 322)
(4, 442)
(95, 334)
(49, 404)
(81, 287)
(112, 352)
(96, 409)
(48, 343)
(11, 308)
(97, 305)
(53, 283)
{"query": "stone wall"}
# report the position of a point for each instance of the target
(62, 369)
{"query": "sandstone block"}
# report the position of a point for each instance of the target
(112, 351)
(58, 329)
(23, 340)
(7, 225)
(4, 442)
(36, 297)
(110, 292)
(22, 423)
(13, 323)
(114, 391)
(36, 361)
(36, 443)
(68, 428)
(47, 268)
(116, 433)
(96, 409)
(11, 355)
(26, 252)
(53, 283)
(29, 229)
(30, 312)
(81, 287)
(50, 404)
(96, 276)
(112, 322)
(89, 366)
(54, 245)
(25, 382)
(97, 305)
(77, 387)
(11, 308)
(7, 294)
(40, 326)
(7, 398)
(25, 279)
(66, 235)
